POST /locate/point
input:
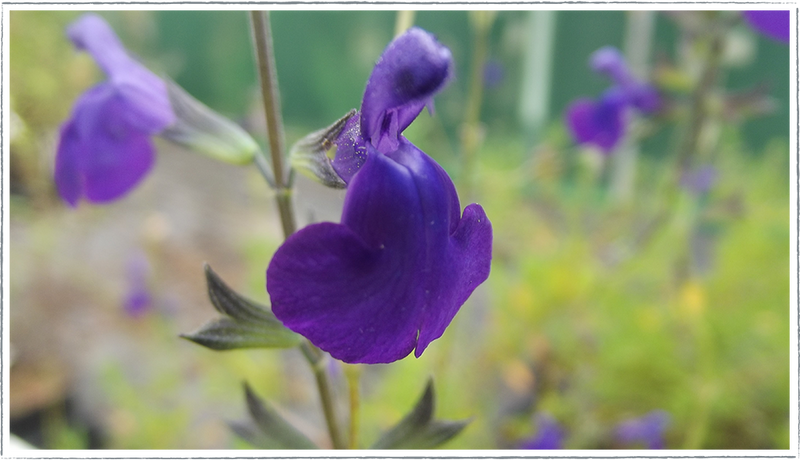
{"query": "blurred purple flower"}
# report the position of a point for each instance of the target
(699, 180)
(773, 24)
(549, 434)
(493, 73)
(602, 122)
(647, 430)
(392, 275)
(105, 147)
(137, 299)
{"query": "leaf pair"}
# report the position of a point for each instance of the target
(418, 429)
(245, 324)
(268, 430)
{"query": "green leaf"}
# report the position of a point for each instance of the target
(418, 429)
(230, 303)
(245, 325)
(269, 430)
(230, 334)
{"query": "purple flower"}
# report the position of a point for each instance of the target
(138, 299)
(699, 180)
(392, 275)
(602, 122)
(647, 430)
(773, 24)
(105, 147)
(549, 434)
(493, 73)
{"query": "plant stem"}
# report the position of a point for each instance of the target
(262, 38)
(405, 19)
(699, 102)
(353, 372)
(315, 358)
(265, 58)
(471, 134)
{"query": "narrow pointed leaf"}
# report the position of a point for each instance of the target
(251, 434)
(245, 325)
(230, 334)
(230, 303)
(309, 155)
(418, 430)
(434, 435)
(270, 431)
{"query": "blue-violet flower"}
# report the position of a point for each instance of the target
(105, 148)
(773, 24)
(392, 275)
(549, 434)
(602, 123)
(647, 430)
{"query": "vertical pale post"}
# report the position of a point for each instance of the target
(638, 39)
(537, 71)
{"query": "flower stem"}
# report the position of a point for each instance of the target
(699, 101)
(405, 19)
(353, 372)
(471, 134)
(315, 358)
(265, 58)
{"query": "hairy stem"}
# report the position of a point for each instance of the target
(265, 58)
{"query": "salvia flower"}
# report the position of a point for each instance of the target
(647, 430)
(105, 148)
(392, 275)
(602, 122)
(773, 24)
(699, 180)
(549, 434)
(138, 299)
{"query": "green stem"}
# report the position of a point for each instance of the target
(316, 359)
(262, 37)
(471, 134)
(405, 19)
(699, 101)
(353, 373)
(265, 58)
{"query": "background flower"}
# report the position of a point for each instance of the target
(549, 434)
(773, 24)
(647, 430)
(602, 123)
(105, 147)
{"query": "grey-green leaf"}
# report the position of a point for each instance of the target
(269, 430)
(230, 334)
(245, 325)
(230, 303)
(418, 429)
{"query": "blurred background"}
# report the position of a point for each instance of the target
(617, 290)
